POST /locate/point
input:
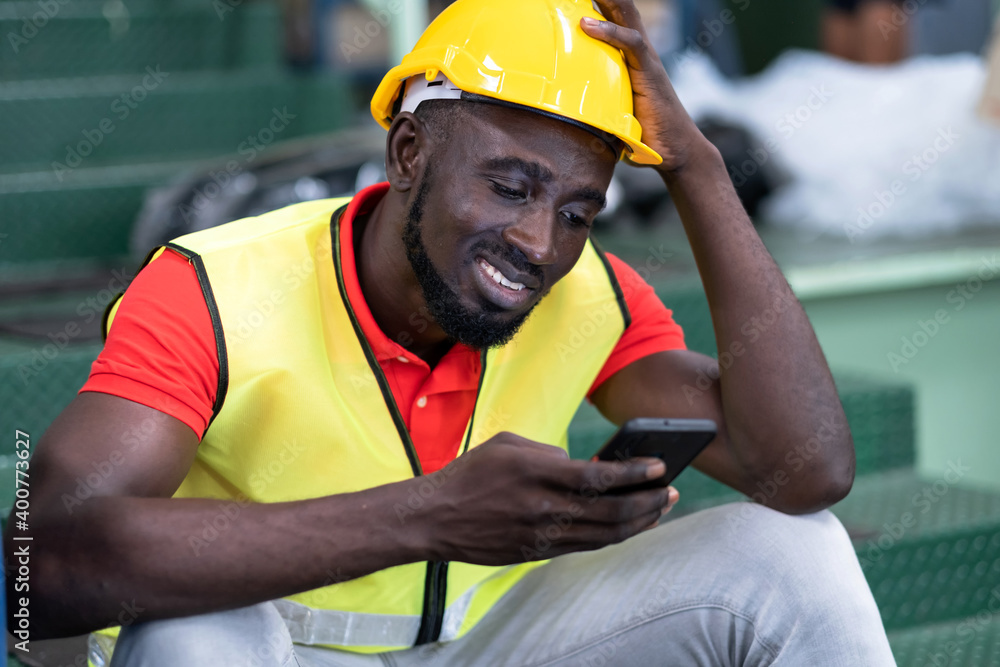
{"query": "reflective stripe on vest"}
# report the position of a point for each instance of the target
(307, 413)
(337, 628)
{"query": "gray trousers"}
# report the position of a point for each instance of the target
(735, 585)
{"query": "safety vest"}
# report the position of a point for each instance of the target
(303, 411)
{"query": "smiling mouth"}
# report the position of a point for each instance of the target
(498, 276)
(499, 290)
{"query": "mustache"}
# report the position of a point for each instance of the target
(512, 256)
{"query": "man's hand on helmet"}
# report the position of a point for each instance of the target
(666, 126)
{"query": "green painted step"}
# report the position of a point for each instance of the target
(79, 39)
(89, 215)
(969, 642)
(881, 413)
(36, 383)
(88, 212)
(930, 548)
(59, 125)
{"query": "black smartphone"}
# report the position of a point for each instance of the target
(675, 441)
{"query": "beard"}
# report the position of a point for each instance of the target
(480, 328)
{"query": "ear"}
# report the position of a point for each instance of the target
(406, 151)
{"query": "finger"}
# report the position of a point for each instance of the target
(600, 476)
(631, 41)
(624, 508)
(622, 12)
(539, 448)
(584, 536)
(639, 525)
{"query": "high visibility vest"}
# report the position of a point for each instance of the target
(304, 411)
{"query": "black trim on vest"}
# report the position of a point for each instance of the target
(220, 337)
(619, 295)
(383, 384)
(107, 316)
(436, 582)
(479, 391)
(436, 578)
(435, 591)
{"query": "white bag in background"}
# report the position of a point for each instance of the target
(869, 150)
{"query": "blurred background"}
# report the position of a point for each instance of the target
(862, 136)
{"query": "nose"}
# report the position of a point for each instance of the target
(534, 234)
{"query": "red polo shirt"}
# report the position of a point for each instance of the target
(161, 351)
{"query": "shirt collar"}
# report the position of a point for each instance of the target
(384, 347)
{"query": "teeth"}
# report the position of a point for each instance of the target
(499, 278)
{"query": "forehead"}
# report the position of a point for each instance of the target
(488, 132)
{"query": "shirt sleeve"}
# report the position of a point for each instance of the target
(161, 349)
(653, 328)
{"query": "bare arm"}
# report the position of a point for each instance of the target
(772, 392)
(131, 544)
(130, 541)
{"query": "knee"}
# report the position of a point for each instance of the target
(254, 636)
(796, 547)
(776, 541)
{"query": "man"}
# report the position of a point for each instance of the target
(865, 31)
(375, 481)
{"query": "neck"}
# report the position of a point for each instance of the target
(390, 288)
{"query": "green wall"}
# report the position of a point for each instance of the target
(955, 371)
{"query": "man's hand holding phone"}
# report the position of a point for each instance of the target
(676, 442)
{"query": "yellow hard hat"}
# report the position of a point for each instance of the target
(531, 53)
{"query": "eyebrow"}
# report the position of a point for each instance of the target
(529, 169)
(590, 194)
(536, 171)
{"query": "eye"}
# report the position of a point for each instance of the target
(575, 220)
(507, 193)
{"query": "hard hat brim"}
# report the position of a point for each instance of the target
(384, 102)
